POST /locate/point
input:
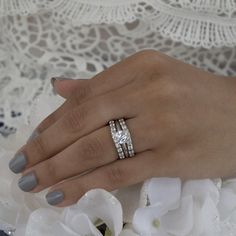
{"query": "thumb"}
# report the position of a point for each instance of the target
(65, 87)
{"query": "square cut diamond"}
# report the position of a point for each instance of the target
(122, 136)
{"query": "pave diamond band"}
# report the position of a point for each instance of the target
(122, 138)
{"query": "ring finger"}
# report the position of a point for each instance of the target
(90, 152)
(74, 125)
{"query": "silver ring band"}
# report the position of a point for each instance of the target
(122, 138)
(123, 145)
(129, 143)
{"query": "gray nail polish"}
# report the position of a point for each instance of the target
(34, 135)
(28, 182)
(18, 163)
(55, 197)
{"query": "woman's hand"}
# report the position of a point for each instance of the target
(182, 122)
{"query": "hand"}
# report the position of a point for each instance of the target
(182, 122)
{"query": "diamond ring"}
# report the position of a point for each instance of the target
(122, 138)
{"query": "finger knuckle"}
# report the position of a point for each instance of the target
(51, 119)
(147, 53)
(92, 148)
(74, 120)
(151, 60)
(103, 107)
(168, 88)
(81, 94)
(115, 175)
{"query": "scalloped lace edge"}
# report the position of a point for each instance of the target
(195, 33)
(206, 30)
(216, 6)
(81, 12)
(13, 7)
(30, 6)
(87, 13)
(177, 24)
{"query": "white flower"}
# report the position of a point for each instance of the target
(128, 231)
(130, 198)
(99, 204)
(167, 213)
(79, 219)
(187, 211)
(205, 194)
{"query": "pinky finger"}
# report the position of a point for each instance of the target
(118, 174)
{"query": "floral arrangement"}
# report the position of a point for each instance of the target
(157, 207)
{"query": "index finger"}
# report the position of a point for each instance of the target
(109, 80)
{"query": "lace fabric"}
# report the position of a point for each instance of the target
(196, 23)
(36, 47)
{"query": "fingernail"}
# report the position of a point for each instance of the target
(34, 135)
(18, 163)
(28, 182)
(55, 197)
(56, 78)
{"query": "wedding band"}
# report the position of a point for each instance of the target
(122, 138)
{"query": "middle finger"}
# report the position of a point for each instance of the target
(90, 152)
(75, 124)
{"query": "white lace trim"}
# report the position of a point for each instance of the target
(220, 7)
(200, 26)
(194, 29)
(13, 7)
(86, 12)
(227, 7)
(198, 31)
(26, 6)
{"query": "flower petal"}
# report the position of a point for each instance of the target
(164, 191)
(80, 223)
(227, 203)
(60, 229)
(200, 190)
(129, 198)
(98, 203)
(41, 221)
(146, 220)
(179, 222)
(128, 231)
(210, 218)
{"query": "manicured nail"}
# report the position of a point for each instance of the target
(28, 182)
(55, 197)
(18, 163)
(34, 135)
(56, 78)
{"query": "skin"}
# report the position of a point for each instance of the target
(182, 122)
